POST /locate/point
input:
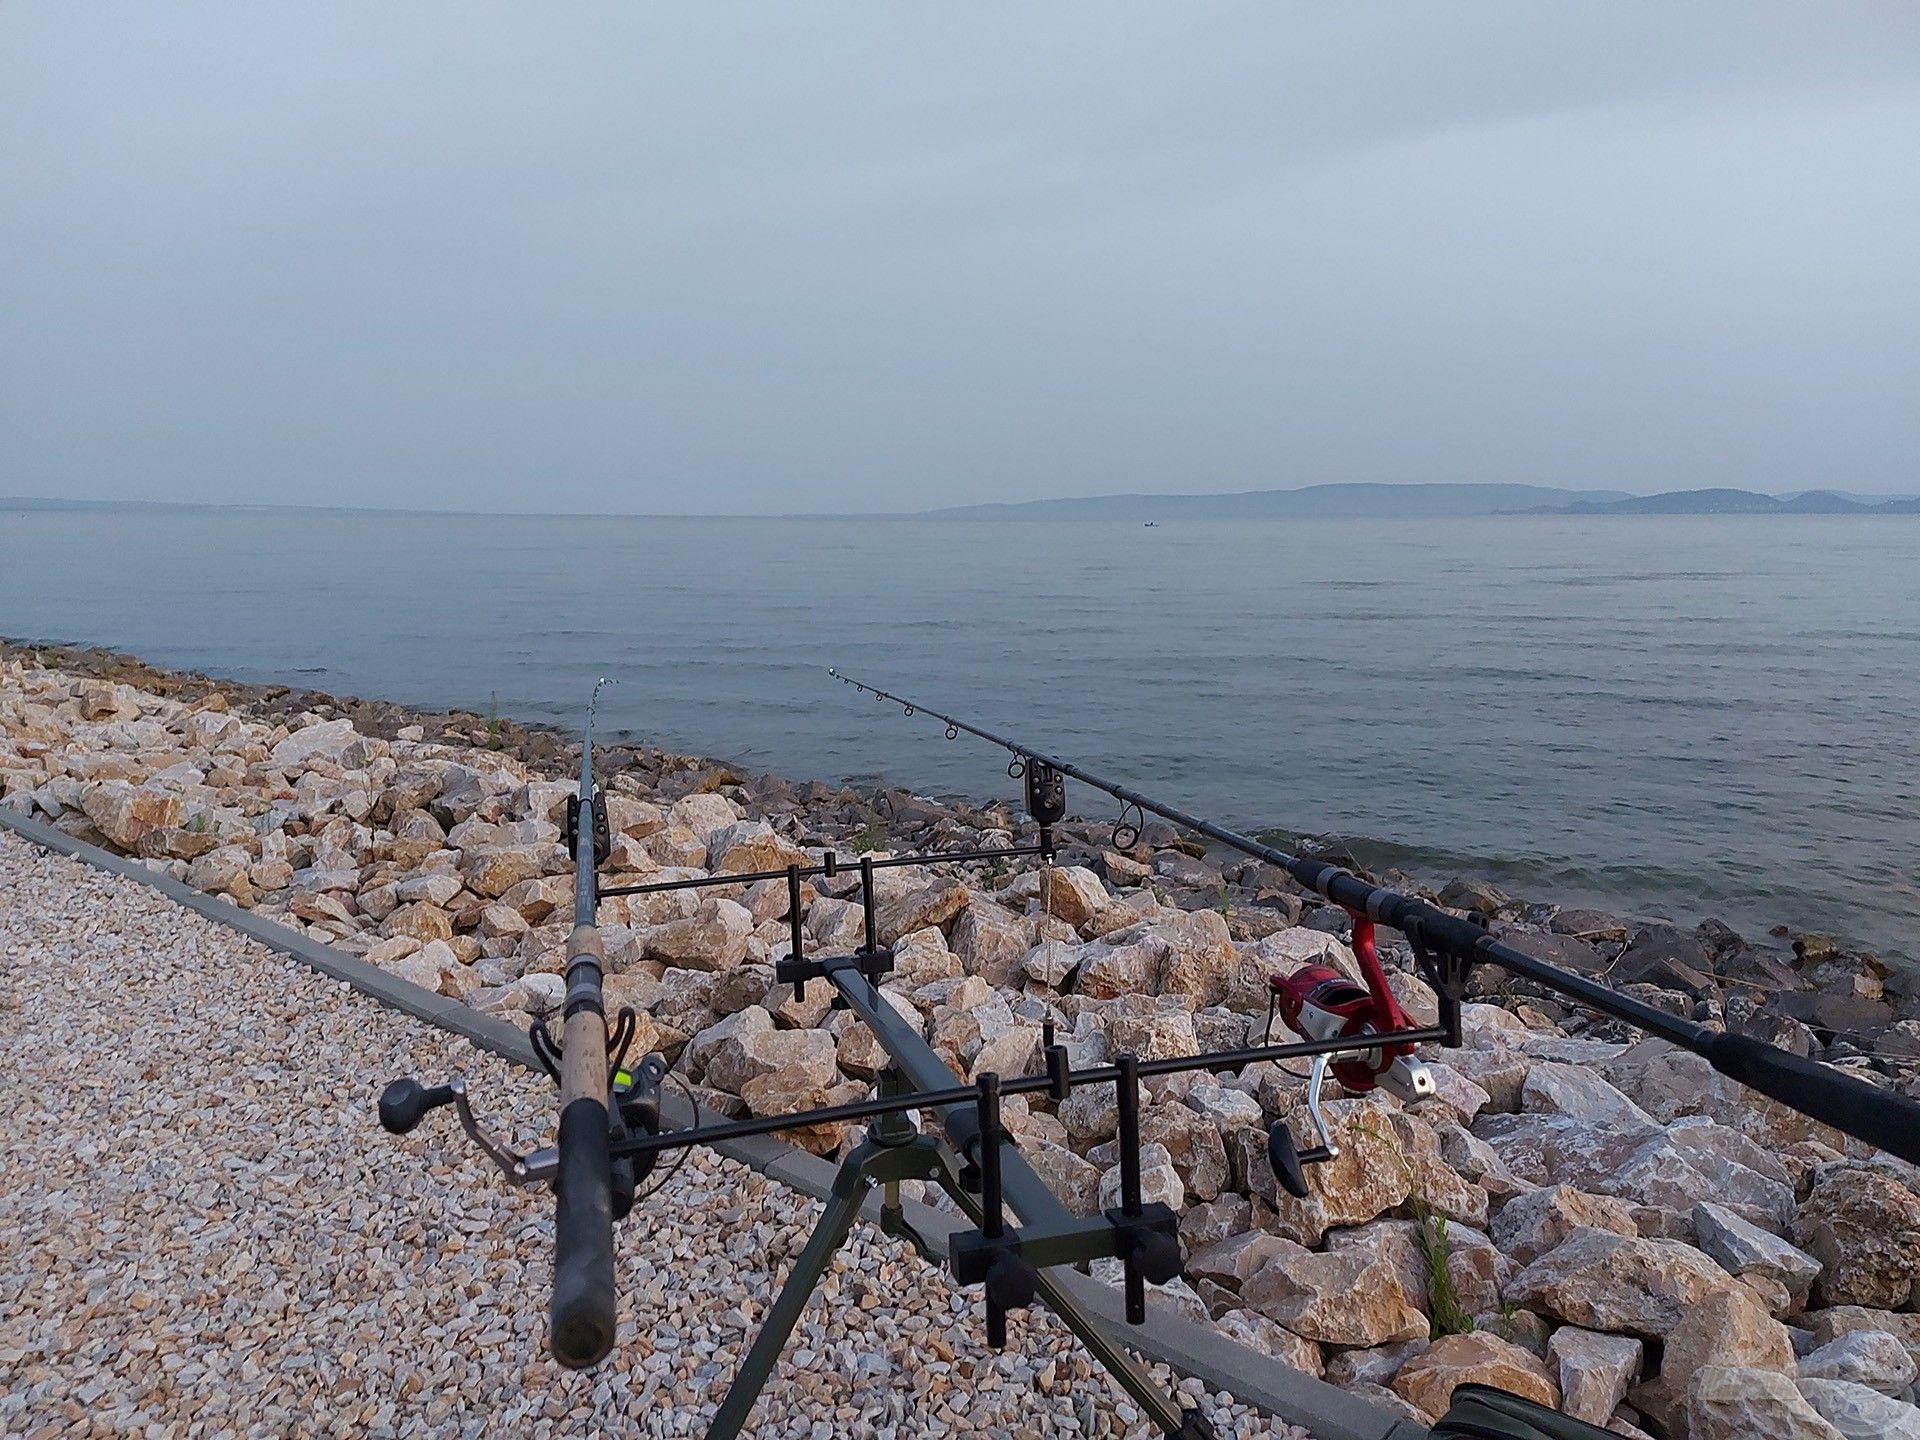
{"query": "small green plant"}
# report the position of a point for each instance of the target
(1446, 1315)
(1226, 907)
(1443, 1301)
(872, 836)
(1504, 1329)
(199, 825)
(493, 719)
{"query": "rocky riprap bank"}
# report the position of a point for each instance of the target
(1583, 1216)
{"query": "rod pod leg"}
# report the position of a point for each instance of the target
(843, 1208)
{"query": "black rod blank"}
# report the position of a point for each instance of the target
(1864, 1111)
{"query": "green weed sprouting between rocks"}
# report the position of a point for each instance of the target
(1446, 1315)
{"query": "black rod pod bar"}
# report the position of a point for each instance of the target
(1448, 947)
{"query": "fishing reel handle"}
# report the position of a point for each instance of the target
(405, 1103)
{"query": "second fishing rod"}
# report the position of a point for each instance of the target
(1449, 946)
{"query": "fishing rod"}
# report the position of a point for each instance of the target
(1447, 947)
(612, 1132)
(612, 1129)
(600, 1105)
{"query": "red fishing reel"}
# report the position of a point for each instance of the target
(1317, 1002)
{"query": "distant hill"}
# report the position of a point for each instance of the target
(1745, 502)
(1361, 501)
(1312, 500)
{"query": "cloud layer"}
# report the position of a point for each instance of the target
(862, 256)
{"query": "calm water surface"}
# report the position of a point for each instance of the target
(1668, 716)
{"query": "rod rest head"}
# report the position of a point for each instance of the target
(874, 964)
(1149, 1241)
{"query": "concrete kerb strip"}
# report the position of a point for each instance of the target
(1197, 1350)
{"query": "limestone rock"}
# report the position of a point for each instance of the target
(751, 845)
(1207, 1224)
(1669, 1082)
(1865, 1357)
(922, 958)
(674, 847)
(1861, 1413)
(715, 938)
(1572, 1090)
(493, 872)
(1744, 1249)
(124, 815)
(1729, 1403)
(1072, 892)
(1075, 1180)
(218, 871)
(435, 887)
(434, 967)
(421, 920)
(386, 953)
(1431, 1181)
(1232, 1261)
(1051, 963)
(1604, 1281)
(991, 941)
(1159, 1181)
(1264, 1337)
(625, 815)
(1013, 1052)
(1840, 1320)
(330, 740)
(1282, 952)
(705, 815)
(1148, 1032)
(1477, 1358)
(1594, 1370)
(1455, 1091)
(780, 1094)
(929, 905)
(1499, 1072)
(1376, 1365)
(1863, 1226)
(1530, 1225)
(538, 900)
(1200, 957)
(1092, 1112)
(1475, 1270)
(750, 1021)
(1728, 1329)
(1472, 1159)
(1227, 1108)
(1365, 1180)
(1345, 1297)
(1109, 971)
(802, 1057)
(1668, 1169)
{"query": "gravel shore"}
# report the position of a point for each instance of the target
(203, 1231)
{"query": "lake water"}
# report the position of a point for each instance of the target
(1666, 716)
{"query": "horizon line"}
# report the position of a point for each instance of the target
(52, 502)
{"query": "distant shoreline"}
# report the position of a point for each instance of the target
(1329, 502)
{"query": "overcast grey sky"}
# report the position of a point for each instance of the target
(712, 257)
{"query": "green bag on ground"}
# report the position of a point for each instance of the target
(1480, 1412)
